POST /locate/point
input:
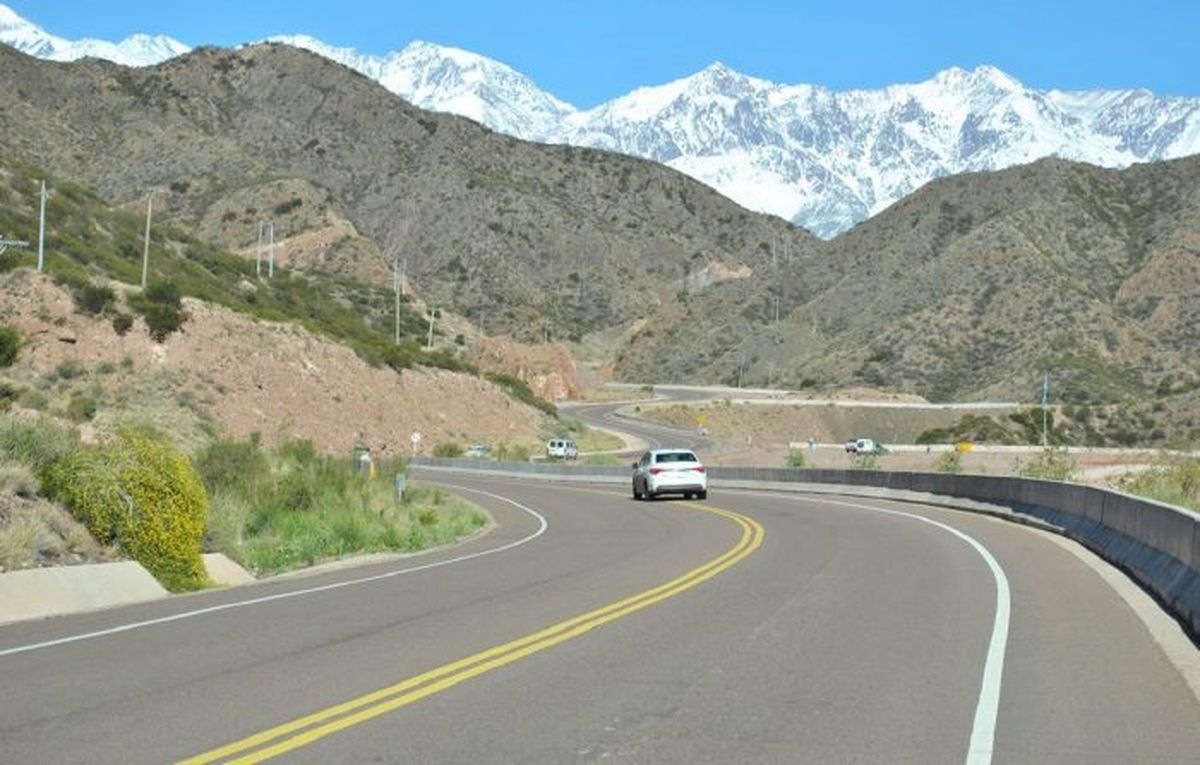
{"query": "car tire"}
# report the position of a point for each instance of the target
(637, 494)
(702, 494)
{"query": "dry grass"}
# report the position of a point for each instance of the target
(37, 533)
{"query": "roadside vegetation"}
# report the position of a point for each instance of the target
(33, 530)
(1051, 464)
(280, 509)
(1175, 482)
(138, 496)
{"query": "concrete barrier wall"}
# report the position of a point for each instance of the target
(1158, 545)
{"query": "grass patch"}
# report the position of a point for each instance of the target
(276, 510)
(1050, 464)
(1175, 483)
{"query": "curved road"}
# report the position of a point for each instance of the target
(654, 435)
(751, 628)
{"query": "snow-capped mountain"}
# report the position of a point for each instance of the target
(823, 159)
(446, 79)
(135, 50)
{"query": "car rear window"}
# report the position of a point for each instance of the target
(675, 457)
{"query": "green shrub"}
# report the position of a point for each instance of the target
(1175, 483)
(81, 407)
(142, 495)
(949, 462)
(161, 307)
(1051, 464)
(233, 465)
(8, 394)
(10, 345)
(448, 449)
(865, 461)
(795, 459)
(521, 392)
(164, 292)
(68, 370)
(161, 320)
(122, 323)
(93, 300)
(35, 442)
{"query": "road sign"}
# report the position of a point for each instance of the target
(416, 437)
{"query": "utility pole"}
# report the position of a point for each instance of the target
(42, 232)
(396, 293)
(1045, 401)
(432, 313)
(146, 247)
(271, 251)
(258, 251)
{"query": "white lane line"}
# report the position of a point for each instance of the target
(542, 525)
(983, 729)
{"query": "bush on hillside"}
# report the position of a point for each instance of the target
(518, 389)
(448, 449)
(10, 345)
(122, 323)
(232, 464)
(161, 307)
(93, 300)
(143, 496)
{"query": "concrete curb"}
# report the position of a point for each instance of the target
(41, 592)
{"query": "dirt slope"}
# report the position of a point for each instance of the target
(245, 376)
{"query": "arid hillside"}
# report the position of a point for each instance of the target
(238, 375)
(533, 240)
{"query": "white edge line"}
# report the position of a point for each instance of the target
(983, 729)
(542, 525)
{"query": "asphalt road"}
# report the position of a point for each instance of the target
(795, 629)
(654, 435)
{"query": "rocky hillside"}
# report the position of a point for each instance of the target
(541, 241)
(974, 287)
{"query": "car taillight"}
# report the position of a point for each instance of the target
(699, 468)
(657, 470)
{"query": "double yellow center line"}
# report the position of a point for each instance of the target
(305, 730)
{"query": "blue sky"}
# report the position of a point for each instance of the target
(589, 52)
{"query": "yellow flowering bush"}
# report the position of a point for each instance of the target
(143, 495)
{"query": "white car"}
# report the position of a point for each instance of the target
(863, 446)
(669, 471)
(561, 448)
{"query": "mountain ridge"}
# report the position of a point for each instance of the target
(823, 159)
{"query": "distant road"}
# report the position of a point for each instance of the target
(646, 434)
(749, 628)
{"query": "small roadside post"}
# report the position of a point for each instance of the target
(401, 484)
(416, 441)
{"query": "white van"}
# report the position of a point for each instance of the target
(561, 448)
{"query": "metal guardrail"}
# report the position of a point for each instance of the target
(1157, 544)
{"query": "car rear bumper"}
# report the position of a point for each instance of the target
(675, 488)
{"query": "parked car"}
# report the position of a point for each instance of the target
(864, 446)
(669, 471)
(561, 448)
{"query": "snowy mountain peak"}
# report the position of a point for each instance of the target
(135, 50)
(824, 159)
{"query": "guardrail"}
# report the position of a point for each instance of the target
(1156, 544)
